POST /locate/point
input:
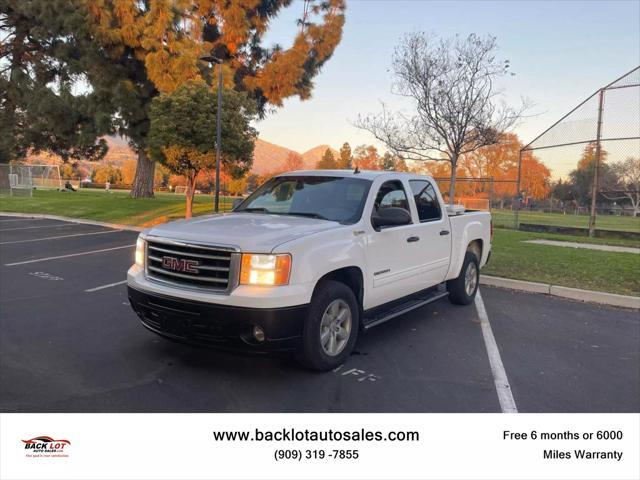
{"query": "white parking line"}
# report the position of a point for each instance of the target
(57, 225)
(60, 236)
(505, 397)
(67, 256)
(95, 289)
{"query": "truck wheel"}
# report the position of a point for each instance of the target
(331, 328)
(462, 290)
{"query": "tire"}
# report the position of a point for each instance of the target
(326, 317)
(462, 290)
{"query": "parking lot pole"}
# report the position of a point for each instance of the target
(517, 219)
(218, 139)
(596, 166)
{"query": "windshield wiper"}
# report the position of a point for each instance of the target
(254, 209)
(309, 214)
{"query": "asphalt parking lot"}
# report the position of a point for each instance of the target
(69, 342)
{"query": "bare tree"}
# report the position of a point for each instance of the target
(628, 187)
(452, 83)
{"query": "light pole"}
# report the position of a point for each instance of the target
(212, 59)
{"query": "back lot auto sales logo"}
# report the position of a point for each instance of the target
(45, 446)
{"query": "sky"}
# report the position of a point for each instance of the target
(561, 52)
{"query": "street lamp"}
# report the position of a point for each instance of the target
(212, 59)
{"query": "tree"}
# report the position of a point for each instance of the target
(327, 162)
(366, 157)
(344, 161)
(44, 49)
(155, 45)
(452, 83)
(180, 133)
(627, 186)
(500, 162)
(292, 162)
(107, 173)
(582, 177)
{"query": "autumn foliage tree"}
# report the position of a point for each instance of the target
(154, 46)
(293, 162)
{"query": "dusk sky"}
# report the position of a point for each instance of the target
(561, 53)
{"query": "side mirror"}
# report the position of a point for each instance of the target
(236, 202)
(390, 217)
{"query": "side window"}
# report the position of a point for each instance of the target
(426, 200)
(391, 194)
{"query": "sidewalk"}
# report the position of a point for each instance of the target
(589, 246)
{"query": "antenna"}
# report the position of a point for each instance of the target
(356, 171)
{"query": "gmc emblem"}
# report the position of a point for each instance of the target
(180, 264)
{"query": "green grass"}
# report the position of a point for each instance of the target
(505, 218)
(114, 207)
(570, 267)
(589, 269)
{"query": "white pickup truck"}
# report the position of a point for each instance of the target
(307, 262)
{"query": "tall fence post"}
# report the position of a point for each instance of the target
(490, 192)
(594, 186)
(517, 219)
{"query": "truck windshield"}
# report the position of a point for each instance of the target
(339, 199)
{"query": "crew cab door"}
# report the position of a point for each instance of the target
(392, 251)
(434, 231)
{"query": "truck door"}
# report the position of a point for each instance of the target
(434, 231)
(392, 251)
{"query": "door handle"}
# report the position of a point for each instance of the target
(444, 232)
(413, 239)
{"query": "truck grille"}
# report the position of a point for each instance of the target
(195, 266)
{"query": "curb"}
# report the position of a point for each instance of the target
(73, 220)
(590, 296)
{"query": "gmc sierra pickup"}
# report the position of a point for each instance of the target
(307, 262)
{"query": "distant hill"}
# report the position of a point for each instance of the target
(267, 157)
(313, 156)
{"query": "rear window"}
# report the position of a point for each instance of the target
(426, 200)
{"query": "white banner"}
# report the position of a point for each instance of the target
(315, 446)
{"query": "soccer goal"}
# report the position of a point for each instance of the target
(20, 180)
(45, 177)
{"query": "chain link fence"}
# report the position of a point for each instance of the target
(592, 155)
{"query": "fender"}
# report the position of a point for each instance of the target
(474, 230)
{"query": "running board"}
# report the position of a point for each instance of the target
(405, 307)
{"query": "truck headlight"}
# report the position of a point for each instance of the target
(261, 269)
(140, 244)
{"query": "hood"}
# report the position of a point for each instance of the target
(251, 232)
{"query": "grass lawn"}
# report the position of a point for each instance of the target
(115, 207)
(505, 218)
(570, 267)
(589, 269)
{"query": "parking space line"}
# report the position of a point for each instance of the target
(67, 256)
(505, 397)
(60, 236)
(101, 287)
(57, 225)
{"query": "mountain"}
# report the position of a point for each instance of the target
(268, 157)
(313, 156)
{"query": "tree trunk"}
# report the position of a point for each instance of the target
(191, 190)
(143, 179)
(452, 180)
